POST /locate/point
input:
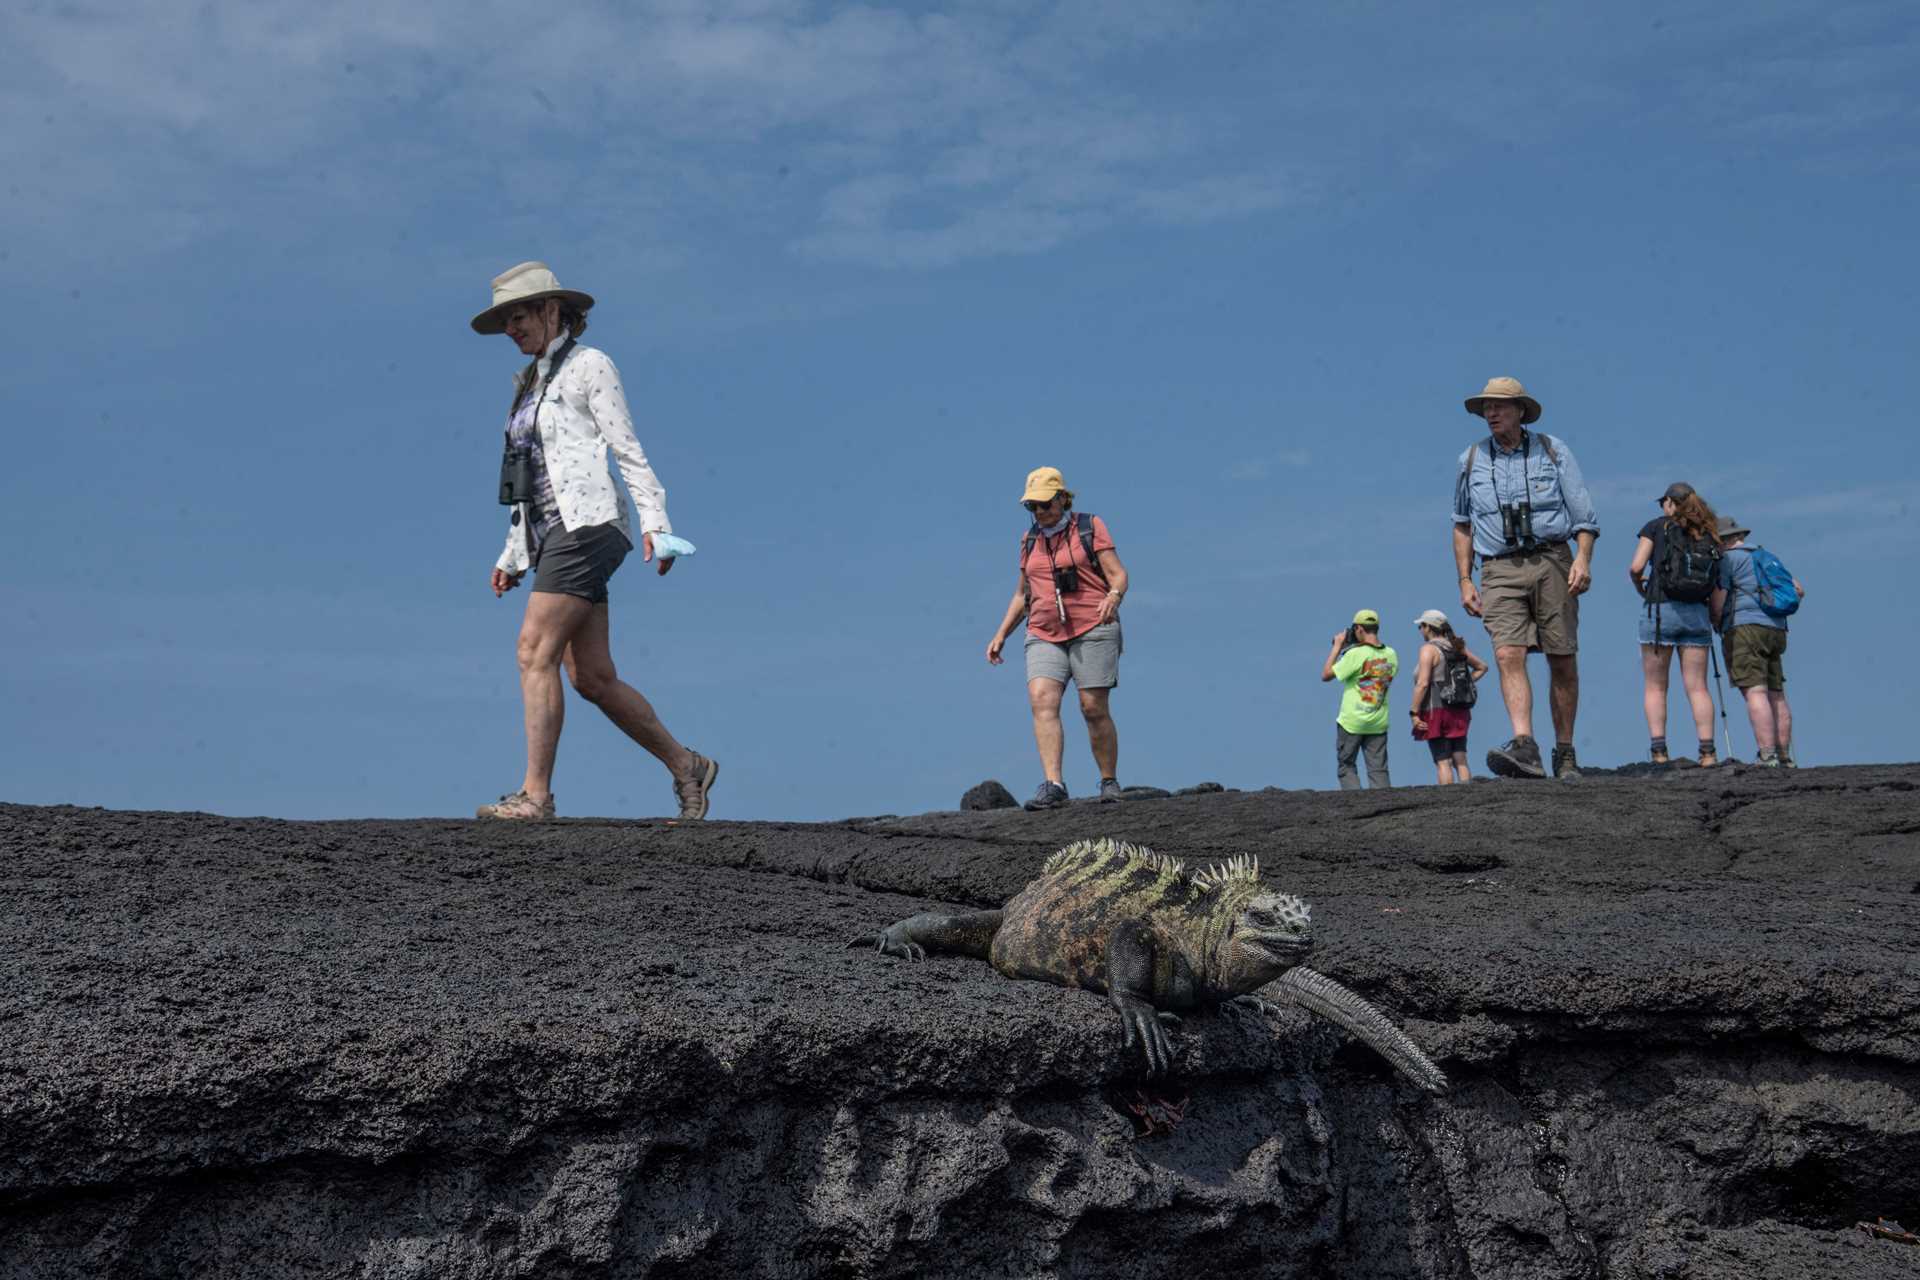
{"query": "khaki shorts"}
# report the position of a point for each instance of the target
(1753, 656)
(1524, 601)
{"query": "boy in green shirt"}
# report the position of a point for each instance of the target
(1367, 667)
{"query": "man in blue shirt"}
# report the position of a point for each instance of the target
(1755, 641)
(1518, 501)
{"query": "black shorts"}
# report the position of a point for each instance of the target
(1443, 748)
(578, 562)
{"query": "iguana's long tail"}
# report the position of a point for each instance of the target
(1322, 995)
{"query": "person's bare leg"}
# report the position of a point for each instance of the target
(1515, 688)
(1782, 718)
(1654, 666)
(1760, 715)
(545, 631)
(1563, 694)
(1101, 731)
(1044, 697)
(589, 662)
(1693, 674)
(1443, 772)
(1460, 770)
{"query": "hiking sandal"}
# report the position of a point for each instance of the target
(518, 807)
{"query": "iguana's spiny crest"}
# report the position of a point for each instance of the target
(1221, 932)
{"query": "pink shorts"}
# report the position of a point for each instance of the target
(1444, 722)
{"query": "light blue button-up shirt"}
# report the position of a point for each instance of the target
(1490, 477)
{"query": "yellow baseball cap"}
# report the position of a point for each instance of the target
(1043, 483)
(1366, 618)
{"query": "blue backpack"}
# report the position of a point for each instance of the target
(1776, 593)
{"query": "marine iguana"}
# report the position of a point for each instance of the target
(1123, 920)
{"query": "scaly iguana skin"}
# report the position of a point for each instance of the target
(1122, 920)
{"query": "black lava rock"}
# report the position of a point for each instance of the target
(988, 795)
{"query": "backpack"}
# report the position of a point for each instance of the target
(1456, 687)
(1685, 568)
(1776, 593)
(1074, 525)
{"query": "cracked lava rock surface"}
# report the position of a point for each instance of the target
(1681, 1014)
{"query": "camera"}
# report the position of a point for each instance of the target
(516, 476)
(1067, 581)
(1516, 523)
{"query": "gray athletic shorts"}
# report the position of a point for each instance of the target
(578, 562)
(1092, 659)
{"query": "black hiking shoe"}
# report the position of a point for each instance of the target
(1051, 795)
(1520, 758)
(1110, 791)
(1565, 767)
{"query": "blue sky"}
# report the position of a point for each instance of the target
(1231, 266)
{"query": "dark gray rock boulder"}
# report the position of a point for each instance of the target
(1682, 1019)
(988, 795)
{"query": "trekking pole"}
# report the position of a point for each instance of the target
(1725, 732)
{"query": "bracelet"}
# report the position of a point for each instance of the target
(1466, 577)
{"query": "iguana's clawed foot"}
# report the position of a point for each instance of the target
(1147, 1027)
(891, 942)
(1265, 1008)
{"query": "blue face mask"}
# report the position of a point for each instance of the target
(667, 547)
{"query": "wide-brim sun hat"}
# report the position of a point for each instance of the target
(528, 282)
(1730, 529)
(1433, 618)
(1366, 618)
(1506, 389)
(1043, 483)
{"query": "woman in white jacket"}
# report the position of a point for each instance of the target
(570, 526)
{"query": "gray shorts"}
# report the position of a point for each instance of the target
(1092, 659)
(578, 562)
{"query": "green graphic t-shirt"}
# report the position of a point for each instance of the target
(1367, 672)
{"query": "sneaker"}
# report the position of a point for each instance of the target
(692, 791)
(1520, 758)
(1051, 795)
(518, 807)
(1767, 760)
(1110, 791)
(1565, 767)
(1785, 755)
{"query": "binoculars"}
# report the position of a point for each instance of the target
(516, 476)
(1067, 581)
(1516, 524)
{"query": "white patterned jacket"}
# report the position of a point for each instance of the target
(583, 419)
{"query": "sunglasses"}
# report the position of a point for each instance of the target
(1036, 506)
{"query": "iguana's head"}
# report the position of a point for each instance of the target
(1270, 934)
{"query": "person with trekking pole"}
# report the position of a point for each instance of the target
(1753, 597)
(1674, 568)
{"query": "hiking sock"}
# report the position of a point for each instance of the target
(1105, 781)
(1706, 747)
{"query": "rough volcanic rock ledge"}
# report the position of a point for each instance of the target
(1683, 1014)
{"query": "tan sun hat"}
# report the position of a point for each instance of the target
(528, 282)
(1043, 483)
(1506, 389)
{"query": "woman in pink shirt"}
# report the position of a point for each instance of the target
(1070, 589)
